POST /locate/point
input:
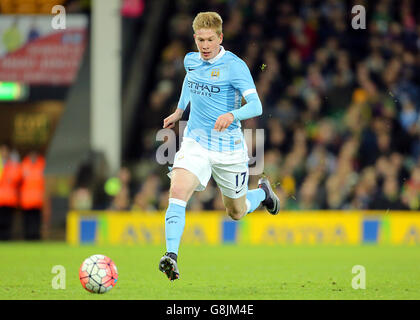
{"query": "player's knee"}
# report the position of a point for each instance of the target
(235, 213)
(178, 192)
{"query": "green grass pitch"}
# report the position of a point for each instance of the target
(216, 272)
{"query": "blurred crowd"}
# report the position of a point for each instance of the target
(129, 8)
(341, 106)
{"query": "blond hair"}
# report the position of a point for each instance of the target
(208, 20)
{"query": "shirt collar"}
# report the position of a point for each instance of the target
(219, 55)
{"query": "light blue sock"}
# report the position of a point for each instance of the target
(254, 198)
(174, 224)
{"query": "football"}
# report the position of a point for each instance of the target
(98, 274)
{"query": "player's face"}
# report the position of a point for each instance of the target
(208, 43)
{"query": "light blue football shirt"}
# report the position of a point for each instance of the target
(215, 87)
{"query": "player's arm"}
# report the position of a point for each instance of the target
(170, 121)
(251, 109)
(241, 80)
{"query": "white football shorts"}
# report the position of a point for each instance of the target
(229, 169)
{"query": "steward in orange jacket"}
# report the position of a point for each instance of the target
(32, 189)
(10, 175)
(32, 195)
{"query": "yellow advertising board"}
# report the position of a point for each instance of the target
(404, 228)
(296, 228)
(134, 228)
(139, 228)
(305, 228)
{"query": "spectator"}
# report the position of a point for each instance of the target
(147, 198)
(34, 202)
(81, 199)
(120, 189)
(411, 192)
(389, 197)
(10, 175)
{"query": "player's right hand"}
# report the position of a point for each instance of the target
(170, 121)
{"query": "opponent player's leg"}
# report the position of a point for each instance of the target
(183, 184)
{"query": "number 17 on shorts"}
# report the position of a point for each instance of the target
(241, 184)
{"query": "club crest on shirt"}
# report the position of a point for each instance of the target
(215, 74)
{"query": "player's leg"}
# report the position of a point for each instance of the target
(271, 201)
(183, 184)
(232, 180)
(239, 207)
(235, 208)
(191, 172)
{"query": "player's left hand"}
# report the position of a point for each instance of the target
(223, 122)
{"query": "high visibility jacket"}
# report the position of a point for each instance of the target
(32, 188)
(9, 184)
